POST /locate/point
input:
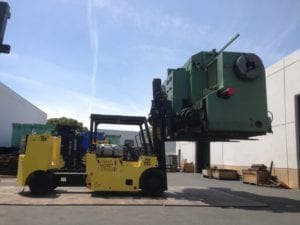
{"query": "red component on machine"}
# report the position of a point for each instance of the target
(226, 92)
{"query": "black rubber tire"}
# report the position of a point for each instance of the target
(55, 181)
(152, 183)
(41, 182)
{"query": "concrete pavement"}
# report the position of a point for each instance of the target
(280, 207)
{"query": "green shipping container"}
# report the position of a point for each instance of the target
(20, 130)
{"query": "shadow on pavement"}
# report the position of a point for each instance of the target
(51, 195)
(133, 195)
(211, 197)
(227, 198)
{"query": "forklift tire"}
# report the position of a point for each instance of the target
(56, 181)
(41, 182)
(152, 183)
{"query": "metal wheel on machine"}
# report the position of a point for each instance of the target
(41, 182)
(152, 183)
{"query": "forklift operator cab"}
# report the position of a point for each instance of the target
(116, 168)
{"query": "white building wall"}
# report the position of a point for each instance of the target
(184, 150)
(283, 84)
(170, 148)
(187, 151)
(15, 109)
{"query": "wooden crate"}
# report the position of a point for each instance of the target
(207, 173)
(224, 174)
(255, 177)
(188, 168)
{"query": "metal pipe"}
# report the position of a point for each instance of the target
(212, 59)
(136, 140)
(149, 137)
(229, 43)
(143, 137)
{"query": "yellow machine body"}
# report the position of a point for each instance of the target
(115, 173)
(103, 173)
(42, 153)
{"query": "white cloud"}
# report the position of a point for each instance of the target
(153, 21)
(94, 41)
(46, 72)
(159, 23)
(58, 101)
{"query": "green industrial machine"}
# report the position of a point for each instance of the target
(216, 96)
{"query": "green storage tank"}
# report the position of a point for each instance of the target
(20, 130)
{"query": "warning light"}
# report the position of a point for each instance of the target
(226, 92)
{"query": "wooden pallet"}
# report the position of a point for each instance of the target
(220, 174)
(225, 174)
(207, 173)
(257, 177)
(188, 168)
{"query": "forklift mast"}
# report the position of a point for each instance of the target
(161, 120)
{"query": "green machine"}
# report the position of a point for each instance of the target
(217, 96)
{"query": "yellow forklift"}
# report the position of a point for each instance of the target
(108, 167)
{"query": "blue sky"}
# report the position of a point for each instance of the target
(74, 57)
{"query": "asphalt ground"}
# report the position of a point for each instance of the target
(277, 206)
